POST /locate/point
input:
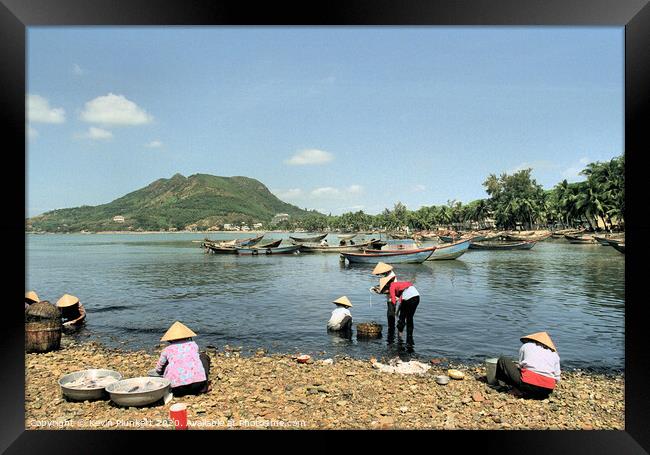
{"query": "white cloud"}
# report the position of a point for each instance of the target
(572, 173)
(290, 194)
(114, 109)
(310, 156)
(419, 188)
(77, 70)
(96, 134)
(154, 144)
(338, 193)
(40, 111)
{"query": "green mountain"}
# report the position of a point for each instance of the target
(202, 200)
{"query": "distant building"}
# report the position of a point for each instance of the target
(227, 226)
(245, 228)
(279, 217)
(257, 225)
(118, 219)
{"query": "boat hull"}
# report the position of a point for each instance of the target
(279, 250)
(620, 247)
(502, 246)
(395, 257)
(317, 238)
(449, 252)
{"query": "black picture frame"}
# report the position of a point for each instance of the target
(634, 15)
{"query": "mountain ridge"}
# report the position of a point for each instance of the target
(199, 201)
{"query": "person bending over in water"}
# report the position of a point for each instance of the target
(181, 363)
(341, 319)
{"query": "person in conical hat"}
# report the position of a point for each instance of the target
(538, 370)
(341, 319)
(407, 296)
(70, 308)
(382, 269)
(31, 297)
(181, 362)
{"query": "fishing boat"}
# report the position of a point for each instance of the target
(221, 249)
(607, 239)
(450, 251)
(75, 324)
(396, 257)
(580, 239)
(316, 238)
(620, 247)
(448, 238)
(496, 245)
(538, 237)
(272, 244)
(560, 234)
(278, 250)
(316, 248)
(441, 253)
(346, 236)
(399, 236)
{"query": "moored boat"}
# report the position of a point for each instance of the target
(580, 239)
(278, 250)
(620, 247)
(316, 248)
(346, 236)
(395, 257)
(272, 244)
(496, 245)
(450, 251)
(607, 239)
(316, 238)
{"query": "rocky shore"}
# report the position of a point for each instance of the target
(274, 391)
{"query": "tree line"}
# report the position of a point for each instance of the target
(514, 200)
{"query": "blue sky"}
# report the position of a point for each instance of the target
(330, 118)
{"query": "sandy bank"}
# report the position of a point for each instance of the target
(273, 391)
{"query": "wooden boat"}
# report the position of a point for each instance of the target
(620, 247)
(316, 238)
(233, 243)
(75, 324)
(616, 241)
(399, 236)
(560, 234)
(316, 248)
(346, 236)
(397, 257)
(495, 245)
(279, 250)
(450, 251)
(442, 252)
(528, 236)
(272, 244)
(222, 249)
(605, 240)
(448, 238)
(580, 239)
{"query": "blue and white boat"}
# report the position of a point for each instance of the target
(417, 255)
(450, 251)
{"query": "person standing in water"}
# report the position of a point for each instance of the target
(409, 299)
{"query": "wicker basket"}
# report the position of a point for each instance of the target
(368, 330)
(43, 336)
(42, 311)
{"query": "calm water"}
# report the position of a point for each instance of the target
(135, 286)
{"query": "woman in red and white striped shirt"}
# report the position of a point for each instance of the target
(409, 299)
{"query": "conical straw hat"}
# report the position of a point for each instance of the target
(177, 331)
(382, 267)
(67, 300)
(31, 295)
(343, 301)
(385, 281)
(542, 338)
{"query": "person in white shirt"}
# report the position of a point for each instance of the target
(341, 319)
(324, 243)
(538, 370)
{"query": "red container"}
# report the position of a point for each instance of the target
(178, 414)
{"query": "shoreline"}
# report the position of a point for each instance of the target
(274, 391)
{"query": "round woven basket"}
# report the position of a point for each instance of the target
(368, 330)
(41, 311)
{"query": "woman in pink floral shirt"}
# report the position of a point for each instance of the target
(181, 362)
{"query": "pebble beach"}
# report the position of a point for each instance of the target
(274, 391)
